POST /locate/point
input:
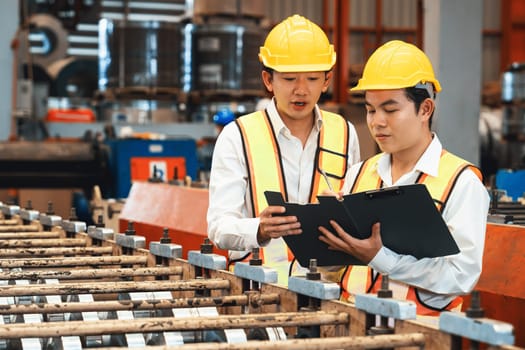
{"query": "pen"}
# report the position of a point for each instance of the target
(327, 180)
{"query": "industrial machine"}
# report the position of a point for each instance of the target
(91, 287)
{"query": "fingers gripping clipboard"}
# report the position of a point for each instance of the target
(410, 223)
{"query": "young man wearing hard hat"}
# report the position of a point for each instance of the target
(282, 148)
(400, 88)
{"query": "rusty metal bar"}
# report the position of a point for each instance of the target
(42, 243)
(25, 235)
(25, 252)
(19, 228)
(387, 341)
(9, 222)
(163, 324)
(131, 305)
(91, 273)
(76, 261)
(112, 287)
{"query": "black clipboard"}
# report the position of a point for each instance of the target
(410, 223)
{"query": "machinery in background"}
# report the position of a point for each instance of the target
(513, 123)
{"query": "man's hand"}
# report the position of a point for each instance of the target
(272, 225)
(363, 249)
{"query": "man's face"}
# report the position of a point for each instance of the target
(296, 93)
(393, 121)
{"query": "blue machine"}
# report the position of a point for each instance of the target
(512, 181)
(122, 151)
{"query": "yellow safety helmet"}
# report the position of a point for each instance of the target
(396, 65)
(297, 45)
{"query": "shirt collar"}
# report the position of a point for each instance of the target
(428, 163)
(278, 124)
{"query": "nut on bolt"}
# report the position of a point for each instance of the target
(206, 247)
(313, 274)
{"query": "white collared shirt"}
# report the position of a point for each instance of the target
(230, 223)
(466, 217)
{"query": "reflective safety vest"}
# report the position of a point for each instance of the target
(265, 172)
(362, 279)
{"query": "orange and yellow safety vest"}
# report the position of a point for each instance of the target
(265, 172)
(362, 279)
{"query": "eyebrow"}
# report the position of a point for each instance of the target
(385, 103)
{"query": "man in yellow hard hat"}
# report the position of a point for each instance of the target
(283, 148)
(400, 89)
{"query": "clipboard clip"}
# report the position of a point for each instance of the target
(383, 192)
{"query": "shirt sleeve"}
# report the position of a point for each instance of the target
(230, 225)
(466, 217)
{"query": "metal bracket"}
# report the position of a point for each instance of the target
(256, 273)
(50, 220)
(387, 307)
(314, 288)
(73, 226)
(208, 261)
(10, 210)
(29, 215)
(166, 250)
(483, 330)
(128, 241)
(100, 233)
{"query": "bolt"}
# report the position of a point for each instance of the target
(313, 274)
(165, 236)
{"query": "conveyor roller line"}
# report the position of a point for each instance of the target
(114, 287)
(30, 234)
(332, 343)
(11, 222)
(20, 228)
(162, 324)
(228, 300)
(26, 252)
(74, 261)
(92, 273)
(42, 243)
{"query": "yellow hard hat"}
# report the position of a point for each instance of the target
(297, 45)
(396, 65)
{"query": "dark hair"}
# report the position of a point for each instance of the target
(418, 95)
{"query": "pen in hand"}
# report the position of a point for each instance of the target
(327, 180)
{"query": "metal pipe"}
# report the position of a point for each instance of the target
(112, 287)
(132, 305)
(91, 273)
(9, 222)
(35, 234)
(25, 252)
(164, 324)
(76, 261)
(43, 243)
(332, 343)
(19, 228)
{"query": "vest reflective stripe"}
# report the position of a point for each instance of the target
(266, 173)
(262, 155)
(439, 187)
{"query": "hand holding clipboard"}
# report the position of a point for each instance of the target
(410, 223)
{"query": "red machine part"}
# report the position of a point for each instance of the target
(502, 282)
(155, 206)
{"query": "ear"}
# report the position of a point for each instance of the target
(267, 79)
(427, 108)
(327, 80)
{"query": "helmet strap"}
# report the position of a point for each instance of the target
(427, 86)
